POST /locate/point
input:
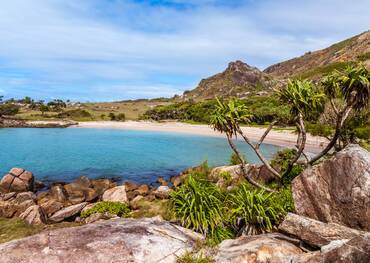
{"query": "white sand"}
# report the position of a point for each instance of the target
(280, 138)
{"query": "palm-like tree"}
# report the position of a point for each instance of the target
(353, 87)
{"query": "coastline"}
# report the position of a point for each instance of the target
(283, 138)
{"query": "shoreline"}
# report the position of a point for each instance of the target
(282, 138)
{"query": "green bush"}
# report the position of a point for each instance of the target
(114, 208)
(194, 258)
(255, 207)
(75, 114)
(8, 109)
(281, 161)
(319, 129)
(363, 133)
(121, 117)
(199, 205)
(234, 159)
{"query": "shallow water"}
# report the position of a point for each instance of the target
(141, 156)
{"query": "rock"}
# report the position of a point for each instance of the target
(177, 180)
(51, 206)
(116, 194)
(131, 195)
(162, 181)
(39, 185)
(316, 233)
(223, 176)
(117, 240)
(142, 190)
(88, 206)
(58, 193)
(134, 204)
(162, 192)
(7, 196)
(17, 180)
(83, 182)
(356, 250)
(17, 204)
(101, 185)
(91, 194)
(67, 212)
(265, 248)
(337, 190)
(98, 216)
(130, 186)
(34, 215)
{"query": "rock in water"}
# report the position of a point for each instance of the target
(337, 190)
(257, 249)
(116, 194)
(17, 180)
(117, 240)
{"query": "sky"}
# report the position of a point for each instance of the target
(107, 50)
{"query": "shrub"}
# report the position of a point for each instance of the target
(121, 117)
(194, 258)
(114, 208)
(234, 159)
(8, 109)
(281, 160)
(112, 116)
(75, 114)
(198, 205)
(254, 206)
(363, 133)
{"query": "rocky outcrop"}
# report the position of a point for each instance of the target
(14, 204)
(117, 240)
(17, 180)
(162, 192)
(316, 233)
(337, 190)
(257, 249)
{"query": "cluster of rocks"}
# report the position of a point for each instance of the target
(330, 223)
(65, 201)
(18, 123)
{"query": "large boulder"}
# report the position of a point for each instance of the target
(356, 250)
(116, 194)
(267, 248)
(67, 213)
(17, 180)
(117, 240)
(316, 233)
(34, 215)
(337, 190)
(15, 204)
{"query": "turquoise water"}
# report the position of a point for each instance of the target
(65, 154)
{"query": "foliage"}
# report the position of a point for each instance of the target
(319, 129)
(234, 159)
(255, 207)
(228, 115)
(194, 258)
(363, 133)
(114, 208)
(8, 109)
(281, 161)
(112, 116)
(121, 117)
(352, 84)
(75, 114)
(219, 234)
(302, 97)
(198, 205)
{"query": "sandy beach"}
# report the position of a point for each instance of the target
(276, 137)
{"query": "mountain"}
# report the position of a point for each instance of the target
(239, 79)
(315, 64)
(242, 80)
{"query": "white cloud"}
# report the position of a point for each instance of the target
(67, 44)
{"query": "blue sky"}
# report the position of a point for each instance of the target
(103, 50)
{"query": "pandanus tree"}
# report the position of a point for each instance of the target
(353, 88)
(303, 99)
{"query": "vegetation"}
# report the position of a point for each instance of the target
(194, 258)
(76, 114)
(113, 208)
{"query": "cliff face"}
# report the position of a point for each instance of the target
(239, 79)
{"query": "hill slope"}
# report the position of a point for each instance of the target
(239, 79)
(314, 64)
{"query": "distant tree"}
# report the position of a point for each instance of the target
(8, 109)
(121, 117)
(102, 116)
(112, 116)
(27, 100)
(57, 105)
(43, 108)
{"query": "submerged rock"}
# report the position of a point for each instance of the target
(265, 248)
(337, 190)
(117, 240)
